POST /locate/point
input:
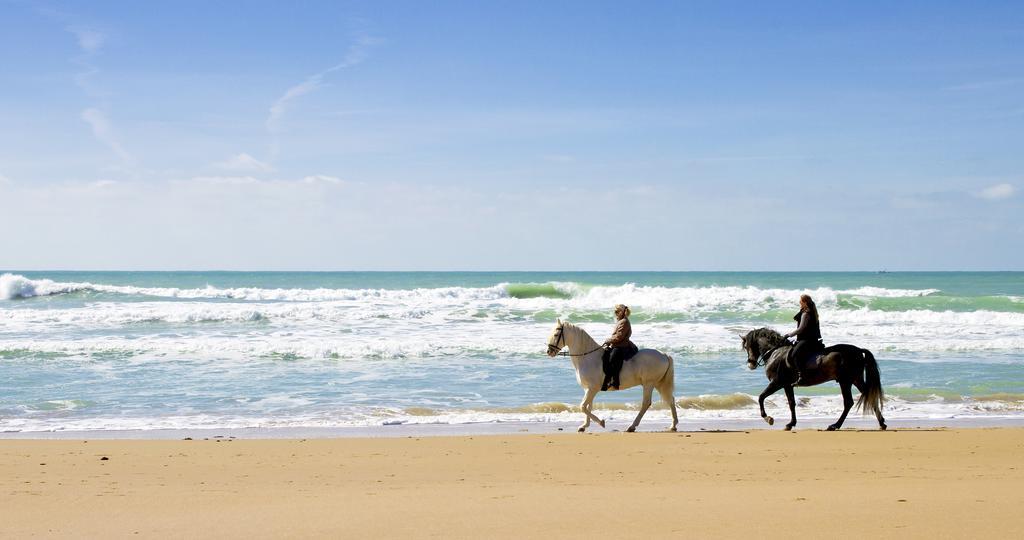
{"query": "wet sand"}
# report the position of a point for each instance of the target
(906, 483)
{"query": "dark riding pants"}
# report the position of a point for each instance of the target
(801, 351)
(612, 361)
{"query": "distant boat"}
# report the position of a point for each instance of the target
(883, 272)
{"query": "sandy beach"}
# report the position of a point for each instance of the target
(907, 484)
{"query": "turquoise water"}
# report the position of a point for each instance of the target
(146, 350)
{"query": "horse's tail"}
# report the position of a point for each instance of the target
(667, 384)
(872, 397)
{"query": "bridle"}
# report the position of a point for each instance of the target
(556, 350)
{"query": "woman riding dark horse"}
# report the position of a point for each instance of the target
(808, 336)
(849, 365)
(619, 348)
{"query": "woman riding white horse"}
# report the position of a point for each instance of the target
(617, 348)
(650, 368)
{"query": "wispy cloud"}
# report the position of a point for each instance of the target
(997, 192)
(356, 54)
(103, 131)
(316, 179)
(89, 39)
(243, 162)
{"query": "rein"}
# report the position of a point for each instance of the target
(564, 353)
(763, 359)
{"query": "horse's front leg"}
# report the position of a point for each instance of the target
(792, 407)
(585, 405)
(772, 387)
(847, 404)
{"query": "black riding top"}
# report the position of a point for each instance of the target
(807, 329)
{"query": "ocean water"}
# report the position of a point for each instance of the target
(184, 350)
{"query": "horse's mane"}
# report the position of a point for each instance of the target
(773, 338)
(579, 332)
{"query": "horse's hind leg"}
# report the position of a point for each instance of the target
(670, 400)
(585, 405)
(847, 405)
(860, 384)
(648, 390)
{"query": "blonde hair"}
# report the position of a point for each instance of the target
(623, 308)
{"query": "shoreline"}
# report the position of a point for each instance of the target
(509, 428)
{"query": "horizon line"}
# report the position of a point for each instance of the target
(492, 271)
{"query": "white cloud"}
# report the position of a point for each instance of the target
(244, 162)
(103, 131)
(4, 179)
(356, 53)
(997, 192)
(322, 179)
(222, 180)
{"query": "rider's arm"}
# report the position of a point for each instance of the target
(805, 320)
(620, 334)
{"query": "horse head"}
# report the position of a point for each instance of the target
(556, 342)
(753, 350)
(759, 341)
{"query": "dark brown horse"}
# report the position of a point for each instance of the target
(846, 364)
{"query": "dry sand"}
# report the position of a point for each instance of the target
(908, 484)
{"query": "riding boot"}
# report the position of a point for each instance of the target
(614, 367)
(794, 359)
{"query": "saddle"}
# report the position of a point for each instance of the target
(627, 353)
(811, 360)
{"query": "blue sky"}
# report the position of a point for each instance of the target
(512, 135)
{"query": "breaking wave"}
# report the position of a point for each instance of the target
(566, 295)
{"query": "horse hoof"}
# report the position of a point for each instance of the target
(882, 427)
(582, 429)
(672, 429)
(770, 420)
(833, 427)
(789, 428)
(630, 429)
(600, 423)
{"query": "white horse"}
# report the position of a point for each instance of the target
(650, 368)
